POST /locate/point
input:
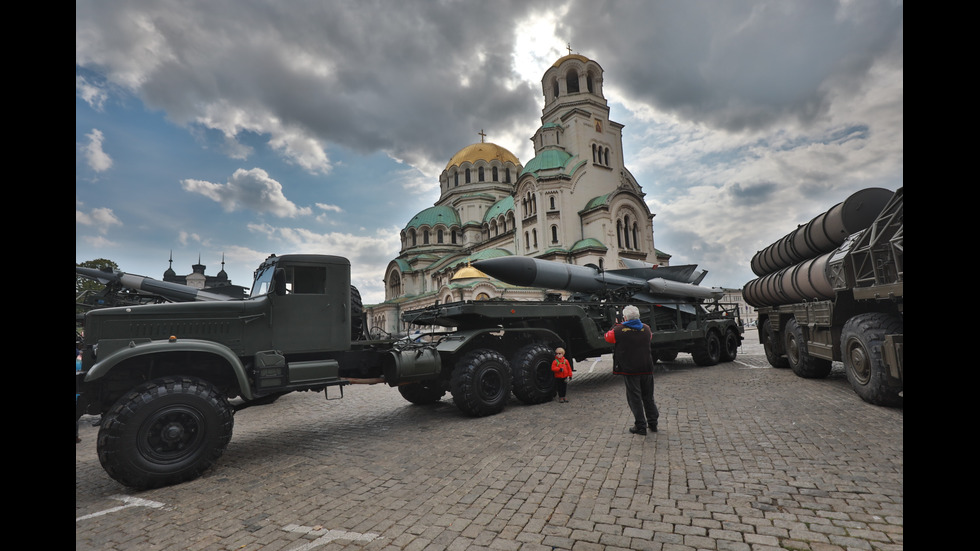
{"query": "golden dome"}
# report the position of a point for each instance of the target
(468, 272)
(483, 151)
(561, 60)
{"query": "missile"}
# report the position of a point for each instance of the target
(673, 281)
(172, 291)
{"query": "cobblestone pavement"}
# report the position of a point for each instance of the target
(747, 458)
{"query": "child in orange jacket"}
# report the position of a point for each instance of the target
(563, 372)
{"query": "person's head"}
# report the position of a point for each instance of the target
(631, 313)
(559, 351)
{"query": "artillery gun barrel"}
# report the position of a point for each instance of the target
(172, 291)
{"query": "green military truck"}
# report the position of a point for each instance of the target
(167, 378)
(833, 290)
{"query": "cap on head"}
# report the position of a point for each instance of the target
(631, 313)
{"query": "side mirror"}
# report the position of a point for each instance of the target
(279, 282)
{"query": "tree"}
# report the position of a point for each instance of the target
(86, 286)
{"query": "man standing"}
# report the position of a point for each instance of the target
(632, 359)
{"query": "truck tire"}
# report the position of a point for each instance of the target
(708, 351)
(422, 393)
(356, 314)
(770, 345)
(534, 382)
(164, 432)
(665, 355)
(729, 345)
(862, 339)
(481, 383)
(800, 360)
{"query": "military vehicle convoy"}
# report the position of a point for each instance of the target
(167, 378)
(832, 290)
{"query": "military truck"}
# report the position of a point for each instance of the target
(833, 290)
(168, 378)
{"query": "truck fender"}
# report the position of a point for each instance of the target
(458, 340)
(138, 348)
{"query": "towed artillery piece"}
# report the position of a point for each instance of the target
(833, 290)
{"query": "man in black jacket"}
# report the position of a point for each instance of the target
(632, 359)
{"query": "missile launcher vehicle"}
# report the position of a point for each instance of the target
(167, 378)
(833, 290)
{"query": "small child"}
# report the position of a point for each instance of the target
(563, 372)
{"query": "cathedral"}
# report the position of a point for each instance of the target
(574, 202)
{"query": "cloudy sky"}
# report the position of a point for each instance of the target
(238, 128)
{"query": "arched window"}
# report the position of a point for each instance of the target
(455, 179)
(467, 175)
(534, 237)
(554, 87)
(414, 238)
(493, 228)
(636, 242)
(554, 234)
(594, 158)
(479, 177)
(588, 83)
(453, 237)
(425, 237)
(507, 175)
(607, 163)
(527, 241)
(552, 202)
(439, 237)
(626, 232)
(494, 174)
(619, 233)
(571, 82)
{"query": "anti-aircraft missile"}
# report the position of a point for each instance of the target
(672, 281)
(172, 291)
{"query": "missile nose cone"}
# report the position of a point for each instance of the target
(516, 270)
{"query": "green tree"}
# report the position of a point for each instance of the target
(84, 285)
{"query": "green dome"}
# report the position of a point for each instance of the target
(545, 160)
(433, 216)
(498, 208)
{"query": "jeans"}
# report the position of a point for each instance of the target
(639, 396)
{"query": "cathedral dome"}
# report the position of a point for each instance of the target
(563, 59)
(433, 216)
(482, 151)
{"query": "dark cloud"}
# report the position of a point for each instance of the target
(742, 64)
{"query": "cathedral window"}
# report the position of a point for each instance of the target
(636, 243)
(554, 234)
(479, 177)
(507, 175)
(626, 231)
(554, 87)
(439, 237)
(606, 162)
(455, 179)
(571, 82)
(453, 237)
(467, 175)
(495, 174)
(534, 237)
(552, 202)
(594, 158)
(425, 237)
(527, 241)
(414, 238)
(588, 83)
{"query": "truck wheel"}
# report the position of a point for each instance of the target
(164, 432)
(862, 340)
(800, 360)
(481, 383)
(422, 393)
(708, 351)
(769, 344)
(666, 355)
(534, 382)
(729, 345)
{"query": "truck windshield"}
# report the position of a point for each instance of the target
(263, 282)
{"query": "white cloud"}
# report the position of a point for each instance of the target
(100, 219)
(252, 189)
(97, 159)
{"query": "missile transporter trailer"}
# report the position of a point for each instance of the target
(832, 290)
(167, 378)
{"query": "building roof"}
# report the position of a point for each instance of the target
(547, 160)
(433, 216)
(498, 208)
(483, 151)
